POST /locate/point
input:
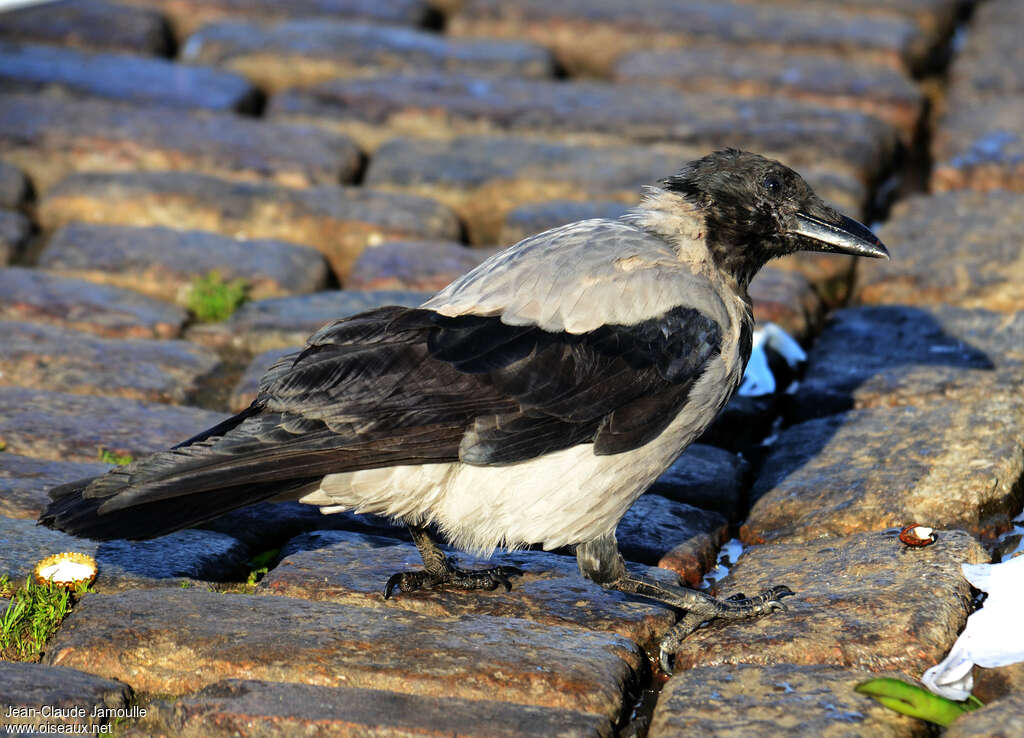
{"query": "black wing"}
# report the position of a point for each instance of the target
(408, 386)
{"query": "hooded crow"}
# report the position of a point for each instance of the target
(530, 402)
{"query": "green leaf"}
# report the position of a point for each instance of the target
(918, 702)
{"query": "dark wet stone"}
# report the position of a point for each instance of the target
(864, 602)
(959, 248)
(994, 683)
(980, 146)
(654, 525)
(15, 229)
(743, 423)
(1003, 718)
(188, 15)
(991, 64)
(426, 266)
(329, 644)
(269, 525)
(65, 427)
(310, 50)
(820, 78)
(37, 295)
(50, 137)
(14, 187)
(283, 322)
(706, 477)
(260, 708)
(125, 565)
(89, 24)
(898, 355)
(50, 357)
(163, 262)
(526, 220)
(24, 482)
(590, 37)
(786, 298)
(949, 464)
(738, 701)
(351, 569)
(337, 221)
(483, 178)
(443, 105)
(36, 695)
(131, 78)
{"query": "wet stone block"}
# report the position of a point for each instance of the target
(859, 604)
(24, 482)
(820, 78)
(288, 321)
(654, 525)
(328, 644)
(483, 178)
(351, 569)
(991, 64)
(526, 220)
(590, 37)
(706, 477)
(786, 298)
(423, 266)
(188, 15)
(949, 464)
(89, 24)
(37, 295)
(444, 105)
(1002, 718)
(782, 699)
(307, 51)
(125, 565)
(980, 146)
(15, 229)
(900, 355)
(162, 262)
(250, 707)
(337, 221)
(37, 68)
(50, 357)
(50, 137)
(14, 187)
(66, 427)
(959, 248)
(34, 695)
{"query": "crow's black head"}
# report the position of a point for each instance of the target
(756, 209)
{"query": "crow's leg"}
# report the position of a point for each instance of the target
(601, 561)
(439, 569)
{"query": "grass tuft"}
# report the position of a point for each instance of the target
(212, 299)
(32, 615)
(112, 457)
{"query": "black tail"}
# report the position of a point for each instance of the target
(74, 512)
(88, 507)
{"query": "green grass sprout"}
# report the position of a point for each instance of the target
(212, 299)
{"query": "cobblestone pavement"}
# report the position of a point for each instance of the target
(341, 154)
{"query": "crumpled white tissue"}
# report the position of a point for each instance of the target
(993, 636)
(758, 378)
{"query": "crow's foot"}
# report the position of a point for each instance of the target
(704, 608)
(447, 574)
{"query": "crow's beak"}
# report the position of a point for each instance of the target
(838, 234)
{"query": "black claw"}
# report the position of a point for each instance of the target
(665, 660)
(393, 581)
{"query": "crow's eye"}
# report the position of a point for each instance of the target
(773, 185)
